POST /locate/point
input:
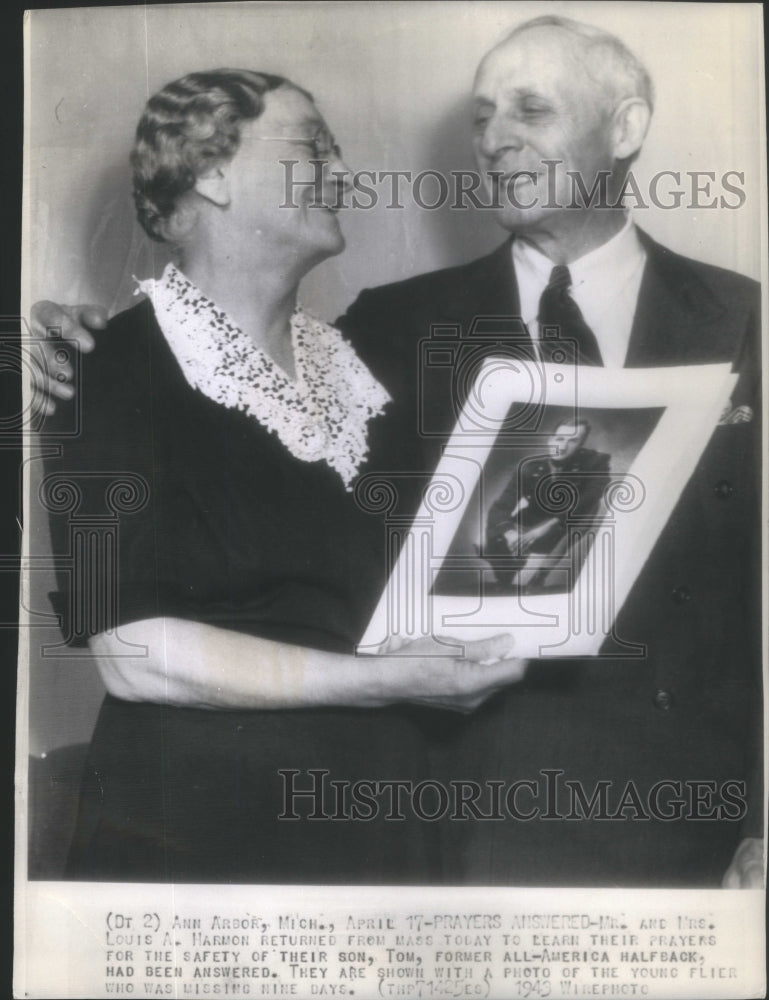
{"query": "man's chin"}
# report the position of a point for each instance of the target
(520, 220)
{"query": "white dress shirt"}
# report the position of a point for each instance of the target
(604, 284)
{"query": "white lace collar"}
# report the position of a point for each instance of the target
(323, 414)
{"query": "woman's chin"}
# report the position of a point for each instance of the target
(332, 238)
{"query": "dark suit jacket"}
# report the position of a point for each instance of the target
(689, 709)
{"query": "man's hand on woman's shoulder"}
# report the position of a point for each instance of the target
(51, 324)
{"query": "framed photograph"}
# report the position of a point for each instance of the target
(550, 495)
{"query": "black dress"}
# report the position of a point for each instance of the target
(219, 523)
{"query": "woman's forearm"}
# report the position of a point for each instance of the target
(201, 666)
(197, 665)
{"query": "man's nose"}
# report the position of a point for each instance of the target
(499, 136)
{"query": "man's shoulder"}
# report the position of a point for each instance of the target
(424, 284)
(423, 289)
(696, 279)
(690, 312)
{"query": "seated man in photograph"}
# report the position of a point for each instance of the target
(530, 519)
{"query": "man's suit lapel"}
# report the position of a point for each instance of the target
(677, 319)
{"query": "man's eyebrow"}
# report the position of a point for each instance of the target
(517, 93)
(524, 93)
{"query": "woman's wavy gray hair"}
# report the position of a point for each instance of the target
(187, 127)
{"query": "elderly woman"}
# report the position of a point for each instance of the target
(248, 574)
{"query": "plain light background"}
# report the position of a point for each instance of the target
(392, 80)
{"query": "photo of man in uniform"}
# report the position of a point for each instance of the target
(530, 519)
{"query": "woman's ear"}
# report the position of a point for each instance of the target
(629, 125)
(214, 186)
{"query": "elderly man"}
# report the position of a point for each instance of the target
(557, 100)
(654, 744)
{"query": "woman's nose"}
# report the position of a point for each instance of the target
(340, 174)
(339, 162)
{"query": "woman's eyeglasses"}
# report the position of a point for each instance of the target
(322, 143)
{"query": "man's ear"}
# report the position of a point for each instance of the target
(629, 125)
(214, 186)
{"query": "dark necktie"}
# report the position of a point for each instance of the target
(557, 308)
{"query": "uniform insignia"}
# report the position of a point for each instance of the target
(738, 415)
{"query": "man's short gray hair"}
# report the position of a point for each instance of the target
(608, 61)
